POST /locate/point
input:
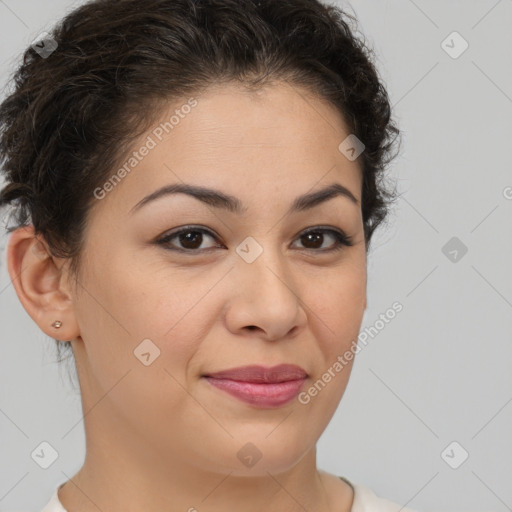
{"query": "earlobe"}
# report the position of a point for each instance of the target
(38, 284)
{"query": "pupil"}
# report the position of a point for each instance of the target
(312, 236)
(188, 239)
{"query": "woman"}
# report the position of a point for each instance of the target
(195, 185)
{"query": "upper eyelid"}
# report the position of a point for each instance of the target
(193, 227)
(177, 231)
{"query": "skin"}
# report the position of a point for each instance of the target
(160, 437)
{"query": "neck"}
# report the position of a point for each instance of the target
(134, 484)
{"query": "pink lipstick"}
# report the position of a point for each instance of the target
(261, 386)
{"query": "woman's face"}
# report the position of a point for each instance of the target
(236, 289)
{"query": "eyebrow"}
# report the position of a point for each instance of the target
(218, 199)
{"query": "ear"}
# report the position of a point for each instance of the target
(39, 282)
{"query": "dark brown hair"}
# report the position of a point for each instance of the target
(72, 115)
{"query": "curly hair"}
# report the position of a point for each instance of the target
(71, 116)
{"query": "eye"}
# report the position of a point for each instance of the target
(191, 239)
(314, 239)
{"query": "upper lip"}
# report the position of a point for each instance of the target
(256, 373)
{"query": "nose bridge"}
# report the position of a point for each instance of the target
(263, 269)
(264, 294)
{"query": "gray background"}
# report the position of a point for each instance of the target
(440, 370)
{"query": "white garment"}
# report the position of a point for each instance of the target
(364, 501)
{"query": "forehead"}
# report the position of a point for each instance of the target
(279, 140)
(282, 116)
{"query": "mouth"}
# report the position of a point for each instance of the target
(261, 374)
(260, 386)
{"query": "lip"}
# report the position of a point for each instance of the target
(260, 386)
(262, 374)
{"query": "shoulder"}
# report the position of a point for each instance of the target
(54, 504)
(365, 500)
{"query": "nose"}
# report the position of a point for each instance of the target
(265, 298)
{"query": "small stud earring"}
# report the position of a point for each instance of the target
(57, 324)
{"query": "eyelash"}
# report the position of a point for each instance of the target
(341, 239)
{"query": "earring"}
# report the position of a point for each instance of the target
(57, 324)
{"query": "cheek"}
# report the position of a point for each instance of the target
(338, 304)
(337, 328)
(336, 322)
(126, 312)
(128, 319)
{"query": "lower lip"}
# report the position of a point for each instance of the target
(260, 395)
